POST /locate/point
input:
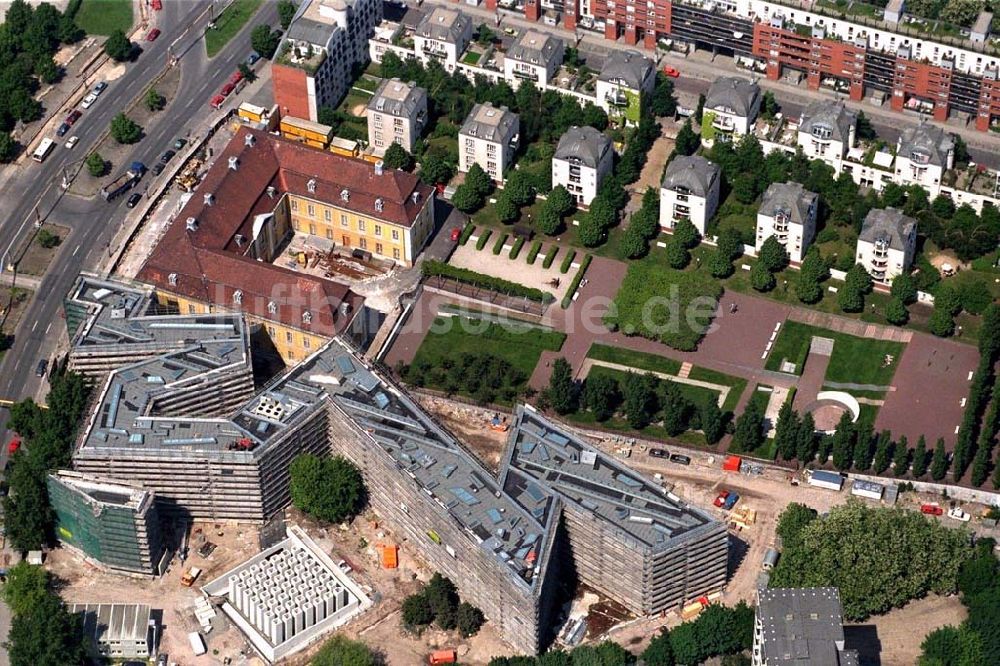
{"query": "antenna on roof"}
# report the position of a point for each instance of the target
(234, 163)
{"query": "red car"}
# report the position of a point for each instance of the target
(73, 117)
(456, 233)
(236, 77)
(226, 89)
(721, 499)
(157, 5)
(217, 101)
(931, 509)
(672, 72)
(153, 34)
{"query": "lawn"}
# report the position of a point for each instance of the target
(736, 384)
(229, 23)
(103, 17)
(634, 359)
(519, 345)
(854, 360)
(672, 306)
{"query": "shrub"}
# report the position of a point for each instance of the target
(533, 252)
(481, 243)
(498, 246)
(575, 284)
(96, 166)
(567, 262)
(154, 100)
(466, 233)
(47, 239)
(125, 130)
(516, 249)
(550, 256)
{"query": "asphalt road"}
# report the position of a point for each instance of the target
(94, 221)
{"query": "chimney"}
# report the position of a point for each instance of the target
(209, 199)
(234, 163)
(249, 140)
(192, 224)
(271, 191)
(379, 168)
(239, 238)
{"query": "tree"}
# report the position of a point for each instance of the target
(396, 157)
(687, 141)
(434, 170)
(342, 651)
(920, 458)
(469, 619)
(769, 107)
(947, 298)
(686, 233)
(720, 266)
(465, 198)
(883, 452)
(662, 103)
(805, 446)
(634, 244)
(812, 272)
(974, 296)
(713, 424)
(560, 200)
(443, 600)
(478, 181)
(96, 166)
(943, 207)
(264, 40)
(548, 222)
(901, 457)
(980, 465)
(761, 279)
(941, 323)
(562, 389)
(330, 489)
(773, 255)
(601, 395)
(745, 188)
(286, 12)
(417, 611)
(27, 584)
(730, 243)
(786, 431)
(893, 195)
(659, 652)
(896, 313)
(47, 633)
(639, 399)
(677, 255)
(248, 74)
(507, 210)
(951, 646)
(749, 433)
(154, 100)
(843, 442)
(117, 46)
(124, 130)
(520, 189)
(8, 148)
(864, 130)
(851, 297)
(591, 232)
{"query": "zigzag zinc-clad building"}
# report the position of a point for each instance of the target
(503, 541)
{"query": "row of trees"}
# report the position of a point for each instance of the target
(47, 437)
(342, 651)
(484, 376)
(717, 631)
(42, 630)
(641, 399)
(438, 603)
(879, 558)
(971, 443)
(29, 36)
(329, 489)
(607, 653)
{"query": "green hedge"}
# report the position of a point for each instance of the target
(533, 252)
(498, 246)
(575, 284)
(481, 243)
(551, 256)
(466, 233)
(567, 262)
(438, 268)
(516, 250)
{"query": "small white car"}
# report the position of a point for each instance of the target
(958, 514)
(88, 101)
(72, 141)
(99, 88)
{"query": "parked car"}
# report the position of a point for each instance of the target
(167, 156)
(158, 168)
(731, 501)
(236, 77)
(658, 453)
(956, 513)
(931, 509)
(43, 365)
(672, 72)
(88, 101)
(227, 89)
(133, 200)
(253, 58)
(157, 5)
(180, 143)
(456, 233)
(99, 87)
(62, 130)
(721, 498)
(73, 116)
(680, 459)
(217, 101)
(72, 141)
(153, 34)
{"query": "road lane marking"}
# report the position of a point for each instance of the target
(47, 328)
(35, 326)
(77, 249)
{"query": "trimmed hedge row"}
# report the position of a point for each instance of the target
(567, 262)
(481, 243)
(498, 246)
(550, 256)
(516, 250)
(575, 284)
(432, 268)
(466, 233)
(536, 247)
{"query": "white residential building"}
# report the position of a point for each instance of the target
(923, 154)
(535, 56)
(397, 113)
(625, 76)
(690, 190)
(788, 212)
(442, 35)
(827, 131)
(887, 243)
(488, 138)
(582, 159)
(731, 108)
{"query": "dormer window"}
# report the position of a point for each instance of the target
(379, 204)
(172, 279)
(272, 307)
(307, 317)
(238, 297)
(822, 132)
(345, 195)
(311, 185)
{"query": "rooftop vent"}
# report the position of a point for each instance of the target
(172, 279)
(271, 191)
(191, 224)
(234, 163)
(238, 297)
(311, 185)
(249, 140)
(209, 199)
(379, 168)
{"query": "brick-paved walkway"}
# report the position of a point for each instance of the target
(850, 326)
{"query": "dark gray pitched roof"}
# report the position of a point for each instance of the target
(791, 198)
(397, 98)
(926, 140)
(694, 173)
(444, 25)
(732, 92)
(584, 144)
(889, 225)
(628, 68)
(802, 626)
(490, 123)
(537, 48)
(828, 115)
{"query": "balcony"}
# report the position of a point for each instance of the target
(526, 74)
(617, 98)
(724, 124)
